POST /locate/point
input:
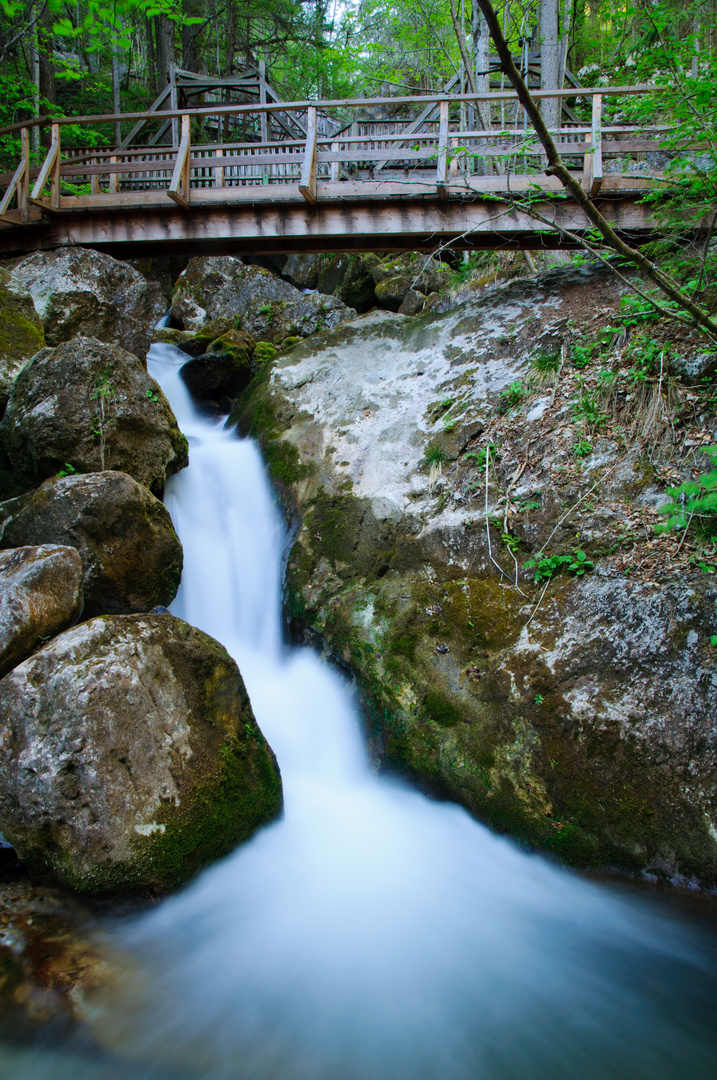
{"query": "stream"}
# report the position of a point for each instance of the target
(371, 933)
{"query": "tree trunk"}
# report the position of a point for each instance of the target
(549, 60)
(116, 100)
(164, 30)
(151, 58)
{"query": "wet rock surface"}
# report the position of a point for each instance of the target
(77, 291)
(217, 377)
(131, 557)
(40, 594)
(130, 757)
(90, 406)
(428, 458)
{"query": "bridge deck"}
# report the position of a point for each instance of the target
(407, 183)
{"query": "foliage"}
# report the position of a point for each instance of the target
(694, 503)
(547, 566)
(512, 396)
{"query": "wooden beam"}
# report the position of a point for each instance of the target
(307, 185)
(48, 165)
(263, 115)
(138, 126)
(441, 170)
(173, 104)
(19, 183)
(179, 186)
(597, 144)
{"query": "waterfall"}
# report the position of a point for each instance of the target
(373, 934)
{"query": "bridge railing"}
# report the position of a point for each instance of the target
(436, 154)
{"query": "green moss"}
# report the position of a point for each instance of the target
(284, 463)
(265, 351)
(441, 709)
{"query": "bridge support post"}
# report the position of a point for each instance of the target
(442, 167)
(179, 186)
(307, 187)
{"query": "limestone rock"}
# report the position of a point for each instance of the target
(77, 291)
(21, 333)
(130, 757)
(92, 406)
(131, 555)
(395, 277)
(303, 270)
(40, 594)
(250, 298)
(222, 286)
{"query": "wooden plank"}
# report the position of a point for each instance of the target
(334, 103)
(12, 189)
(307, 184)
(48, 165)
(114, 177)
(335, 162)
(219, 170)
(179, 186)
(597, 144)
(442, 149)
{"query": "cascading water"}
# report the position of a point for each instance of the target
(372, 934)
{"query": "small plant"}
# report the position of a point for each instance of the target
(582, 448)
(512, 396)
(104, 395)
(237, 322)
(582, 355)
(510, 541)
(151, 395)
(694, 503)
(713, 641)
(550, 565)
(434, 455)
(587, 408)
(69, 470)
(539, 699)
(480, 455)
(545, 362)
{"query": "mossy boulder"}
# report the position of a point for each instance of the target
(77, 291)
(21, 332)
(131, 555)
(218, 377)
(394, 278)
(130, 757)
(92, 406)
(40, 594)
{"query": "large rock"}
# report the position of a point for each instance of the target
(40, 594)
(82, 292)
(576, 714)
(130, 757)
(92, 406)
(394, 278)
(21, 333)
(222, 289)
(131, 555)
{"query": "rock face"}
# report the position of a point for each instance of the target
(40, 594)
(21, 333)
(81, 292)
(576, 713)
(222, 288)
(92, 406)
(131, 557)
(130, 756)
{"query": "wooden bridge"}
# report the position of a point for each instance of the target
(403, 173)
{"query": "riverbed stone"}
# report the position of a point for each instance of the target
(21, 332)
(130, 756)
(77, 291)
(218, 376)
(574, 713)
(40, 594)
(131, 557)
(90, 406)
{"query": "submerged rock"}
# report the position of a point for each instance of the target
(130, 756)
(90, 406)
(78, 291)
(40, 594)
(131, 557)
(21, 333)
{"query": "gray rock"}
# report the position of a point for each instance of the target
(303, 270)
(131, 555)
(92, 406)
(222, 286)
(21, 333)
(395, 277)
(217, 377)
(693, 367)
(40, 594)
(216, 288)
(130, 756)
(79, 291)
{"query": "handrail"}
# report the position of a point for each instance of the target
(348, 103)
(179, 188)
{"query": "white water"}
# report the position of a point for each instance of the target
(372, 934)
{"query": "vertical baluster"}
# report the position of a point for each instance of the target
(23, 191)
(114, 184)
(55, 174)
(219, 170)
